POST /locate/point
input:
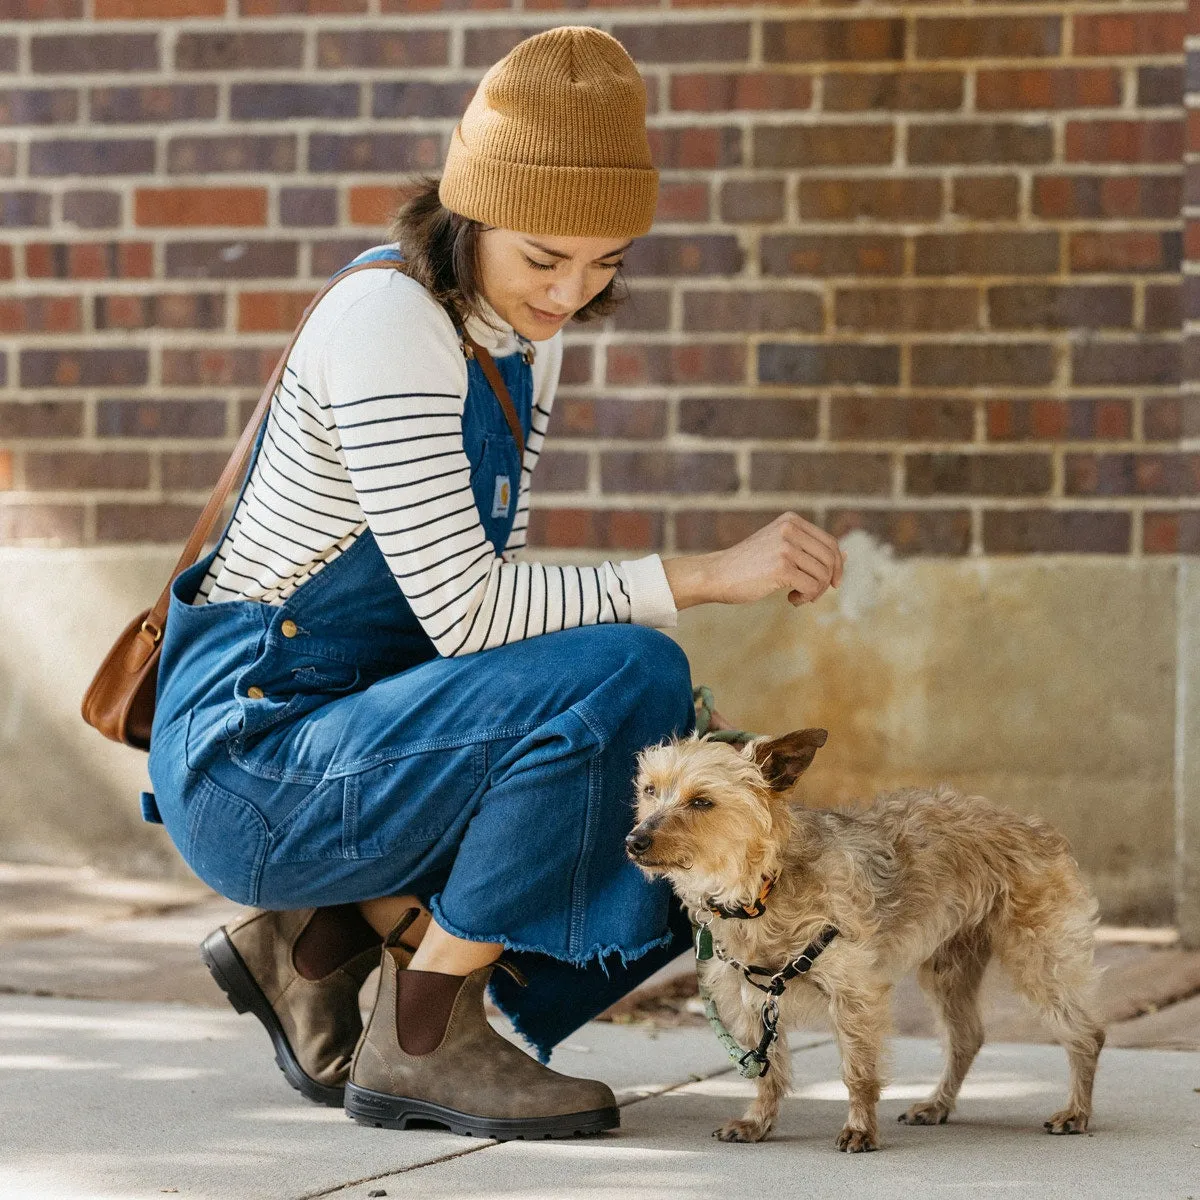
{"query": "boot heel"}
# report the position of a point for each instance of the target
(225, 965)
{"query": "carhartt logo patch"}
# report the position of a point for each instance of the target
(501, 497)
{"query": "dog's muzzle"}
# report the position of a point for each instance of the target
(638, 842)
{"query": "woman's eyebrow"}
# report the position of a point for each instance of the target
(560, 254)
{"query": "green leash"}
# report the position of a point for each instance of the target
(702, 697)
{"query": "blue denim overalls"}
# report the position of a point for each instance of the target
(320, 752)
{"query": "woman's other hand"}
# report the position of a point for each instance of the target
(790, 553)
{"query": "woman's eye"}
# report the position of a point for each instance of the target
(700, 802)
(612, 266)
(541, 266)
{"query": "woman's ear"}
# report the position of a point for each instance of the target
(784, 759)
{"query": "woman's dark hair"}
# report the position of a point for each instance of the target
(441, 250)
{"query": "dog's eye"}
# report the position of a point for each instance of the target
(700, 802)
(648, 790)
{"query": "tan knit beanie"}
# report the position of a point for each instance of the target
(554, 141)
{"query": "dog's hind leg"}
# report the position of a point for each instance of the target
(756, 1122)
(1053, 967)
(862, 1020)
(951, 977)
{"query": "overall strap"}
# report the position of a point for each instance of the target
(492, 372)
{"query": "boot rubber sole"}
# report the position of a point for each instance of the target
(399, 1112)
(233, 977)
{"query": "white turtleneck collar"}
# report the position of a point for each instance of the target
(496, 336)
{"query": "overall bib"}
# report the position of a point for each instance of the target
(320, 752)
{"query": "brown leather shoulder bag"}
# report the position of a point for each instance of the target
(119, 702)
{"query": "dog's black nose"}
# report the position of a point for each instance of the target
(638, 843)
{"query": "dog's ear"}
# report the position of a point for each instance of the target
(784, 759)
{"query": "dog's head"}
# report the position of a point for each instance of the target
(714, 818)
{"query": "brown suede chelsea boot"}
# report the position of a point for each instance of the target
(299, 972)
(473, 1081)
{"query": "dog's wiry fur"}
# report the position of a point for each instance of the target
(923, 879)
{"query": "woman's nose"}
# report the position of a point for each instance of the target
(568, 293)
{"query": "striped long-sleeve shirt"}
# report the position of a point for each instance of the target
(365, 432)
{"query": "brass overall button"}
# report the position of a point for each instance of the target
(255, 693)
(289, 629)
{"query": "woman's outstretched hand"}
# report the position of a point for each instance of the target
(790, 553)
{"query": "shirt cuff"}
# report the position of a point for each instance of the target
(650, 599)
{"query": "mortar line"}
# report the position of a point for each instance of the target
(491, 1143)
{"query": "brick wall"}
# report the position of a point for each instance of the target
(916, 267)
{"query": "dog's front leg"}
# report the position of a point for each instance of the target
(758, 1119)
(861, 1020)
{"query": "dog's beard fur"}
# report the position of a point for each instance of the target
(924, 878)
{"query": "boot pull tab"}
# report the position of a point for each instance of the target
(512, 971)
(392, 937)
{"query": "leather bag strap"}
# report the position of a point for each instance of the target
(492, 372)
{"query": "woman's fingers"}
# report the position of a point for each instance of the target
(817, 542)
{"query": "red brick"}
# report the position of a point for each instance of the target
(935, 531)
(89, 260)
(127, 10)
(957, 364)
(696, 147)
(277, 312)
(1155, 31)
(717, 529)
(1171, 532)
(279, 8)
(899, 91)
(682, 472)
(880, 198)
(1124, 250)
(1132, 474)
(164, 310)
(822, 145)
(606, 417)
(600, 529)
(1055, 420)
(40, 419)
(760, 417)
(720, 92)
(977, 474)
(775, 309)
(868, 39)
(372, 204)
(986, 197)
(1134, 196)
(820, 472)
(41, 314)
(43, 524)
(1063, 87)
(6, 470)
(1124, 141)
(832, 254)
(172, 207)
(70, 470)
(904, 308)
(150, 523)
(219, 366)
(682, 202)
(706, 363)
(1051, 531)
(988, 37)
(900, 418)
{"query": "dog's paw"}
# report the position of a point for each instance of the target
(856, 1141)
(742, 1131)
(1068, 1120)
(925, 1113)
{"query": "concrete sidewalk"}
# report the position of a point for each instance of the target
(122, 1101)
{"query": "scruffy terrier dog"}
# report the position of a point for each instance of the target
(922, 879)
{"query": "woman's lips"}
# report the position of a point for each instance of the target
(549, 318)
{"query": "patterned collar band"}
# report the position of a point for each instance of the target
(746, 912)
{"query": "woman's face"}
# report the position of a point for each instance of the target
(538, 283)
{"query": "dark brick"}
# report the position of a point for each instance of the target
(38, 106)
(24, 209)
(776, 310)
(55, 524)
(1164, 307)
(707, 363)
(711, 91)
(51, 470)
(84, 368)
(161, 418)
(977, 474)
(285, 101)
(189, 310)
(419, 98)
(40, 419)
(822, 145)
(878, 198)
(273, 51)
(383, 152)
(909, 531)
(820, 472)
(42, 10)
(1055, 420)
(898, 91)
(9, 57)
(1159, 87)
(815, 363)
(1050, 531)
(486, 45)
(767, 417)
(752, 200)
(832, 254)
(1050, 306)
(178, 102)
(986, 197)
(644, 309)
(684, 254)
(675, 41)
(717, 529)
(145, 523)
(603, 417)
(308, 206)
(193, 469)
(1117, 363)
(562, 471)
(385, 48)
(979, 253)
(687, 473)
(219, 366)
(331, 254)
(231, 259)
(81, 54)
(1169, 418)
(980, 142)
(900, 418)
(596, 529)
(1171, 532)
(235, 152)
(869, 39)
(956, 364)
(1132, 474)
(92, 209)
(902, 308)
(92, 156)
(988, 37)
